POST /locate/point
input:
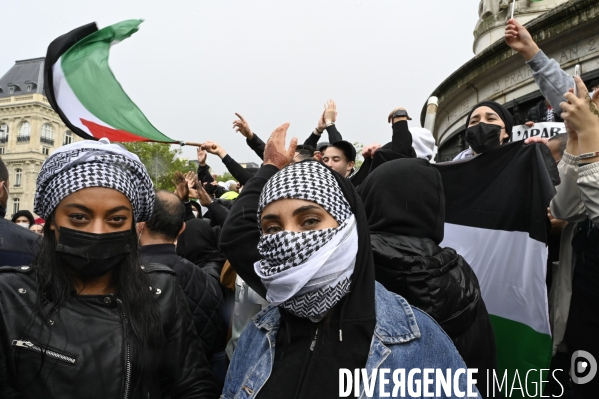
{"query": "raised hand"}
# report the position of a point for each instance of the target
(581, 112)
(370, 149)
(202, 154)
(392, 120)
(275, 152)
(191, 179)
(241, 126)
(181, 188)
(214, 148)
(518, 38)
(321, 125)
(330, 112)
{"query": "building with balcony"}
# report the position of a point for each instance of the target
(30, 130)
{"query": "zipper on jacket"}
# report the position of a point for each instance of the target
(51, 353)
(127, 351)
(314, 341)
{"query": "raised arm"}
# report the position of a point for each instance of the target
(547, 73)
(581, 114)
(241, 233)
(252, 140)
(325, 121)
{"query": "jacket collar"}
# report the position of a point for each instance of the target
(392, 327)
(157, 249)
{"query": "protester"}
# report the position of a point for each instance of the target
(400, 146)
(23, 218)
(341, 157)
(547, 73)
(488, 125)
(303, 153)
(157, 238)
(37, 228)
(541, 112)
(17, 245)
(328, 313)
(81, 318)
(577, 202)
(405, 236)
(326, 121)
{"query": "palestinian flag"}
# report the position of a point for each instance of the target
(496, 218)
(82, 89)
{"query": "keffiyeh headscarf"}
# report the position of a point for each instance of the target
(307, 273)
(89, 163)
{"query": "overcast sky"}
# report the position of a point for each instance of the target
(194, 63)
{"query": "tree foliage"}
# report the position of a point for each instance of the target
(359, 159)
(161, 161)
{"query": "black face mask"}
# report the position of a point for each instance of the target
(483, 137)
(90, 255)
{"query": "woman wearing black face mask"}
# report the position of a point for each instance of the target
(488, 125)
(86, 319)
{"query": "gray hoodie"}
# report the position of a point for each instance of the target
(551, 79)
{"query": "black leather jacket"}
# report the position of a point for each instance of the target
(86, 350)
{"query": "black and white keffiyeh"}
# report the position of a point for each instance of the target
(307, 273)
(89, 163)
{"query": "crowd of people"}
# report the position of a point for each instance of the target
(267, 285)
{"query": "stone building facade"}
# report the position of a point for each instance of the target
(567, 33)
(30, 130)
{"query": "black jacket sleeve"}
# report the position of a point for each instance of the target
(334, 136)
(257, 145)
(188, 211)
(401, 141)
(240, 234)
(218, 213)
(240, 173)
(312, 141)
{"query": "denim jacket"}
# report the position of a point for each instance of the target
(404, 337)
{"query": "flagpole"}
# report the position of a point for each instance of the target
(513, 7)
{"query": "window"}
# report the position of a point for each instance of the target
(18, 177)
(68, 137)
(24, 132)
(16, 204)
(11, 90)
(3, 133)
(1, 150)
(28, 87)
(47, 134)
(45, 151)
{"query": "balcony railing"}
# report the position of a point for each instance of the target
(23, 139)
(3, 139)
(46, 140)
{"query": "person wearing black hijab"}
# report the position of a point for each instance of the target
(488, 125)
(310, 256)
(405, 236)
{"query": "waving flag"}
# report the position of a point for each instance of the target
(83, 90)
(496, 215)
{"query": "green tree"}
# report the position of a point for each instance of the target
(359, 159)
(161, 161)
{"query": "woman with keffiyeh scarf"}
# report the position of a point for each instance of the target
(298, 235)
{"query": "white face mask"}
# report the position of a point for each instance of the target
(23, 224)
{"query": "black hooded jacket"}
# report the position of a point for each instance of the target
(298, 371)
(199, 244)
(405, 233)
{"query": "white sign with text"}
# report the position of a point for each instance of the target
(545, 130)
